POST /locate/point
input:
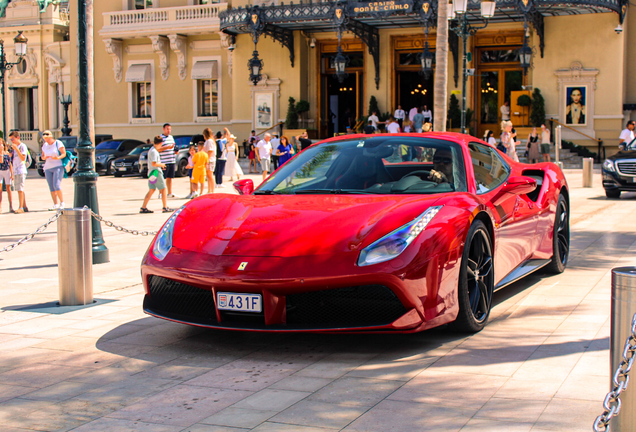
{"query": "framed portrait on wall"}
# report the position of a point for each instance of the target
(575, 105)
(264, 110)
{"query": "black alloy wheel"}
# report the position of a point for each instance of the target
(41, 172)
(613, 193)
(109, 167)
(561, 238)
(182, 171)
(476, 280)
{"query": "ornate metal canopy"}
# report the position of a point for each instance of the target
(365, 19)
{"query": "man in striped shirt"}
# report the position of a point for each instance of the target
(168, 156)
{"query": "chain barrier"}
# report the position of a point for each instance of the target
(121, 228)
(43, 227)
(612, 402)
(28, 237)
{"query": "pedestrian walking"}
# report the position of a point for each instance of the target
(399, 115)
(412, 113)
(505, 111)
(489, 138)
(263, 153)
(374, 118)
(232, 167)
(295, 144)
(508, 140)
(156, 180)
(284, 151)
(532, 147)
(393, 127)
(6, 173)
(627, 135)
(369, 129)
(190, 166)
(210, 147)
(252, 157)
(168, 157)
(545, 143)
(200, 162)
(304, 140)
(418, 121)
(408, 126)
(428, 115)
(221, 159)
(53, 152)
(20, 152)
(275, 144)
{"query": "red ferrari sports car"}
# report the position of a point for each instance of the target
(362, 233)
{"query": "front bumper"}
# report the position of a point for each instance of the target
(126, 169)
(616, 181)
(363, 302)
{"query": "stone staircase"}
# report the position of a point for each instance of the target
(569, 159)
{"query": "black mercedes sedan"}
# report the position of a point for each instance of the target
(619, 172)
(106, 152)
(129, 164)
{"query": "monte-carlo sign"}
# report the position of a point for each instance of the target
(380, 7)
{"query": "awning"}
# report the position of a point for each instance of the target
(138, 73)
(204, 70)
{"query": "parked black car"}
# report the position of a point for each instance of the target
(619, 172)
(107, 151)
(182, 144)
(129, 164)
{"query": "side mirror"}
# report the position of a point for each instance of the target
(519, 185)
(244, 187)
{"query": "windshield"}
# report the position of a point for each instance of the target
(182, 142)
(108, 145)
(69, 142)
(137, 150)
(374, 165)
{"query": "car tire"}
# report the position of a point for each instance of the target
(612, 193)
(560, 238)
(109, 168)
(117, 174)
(476, 281)
(182, 171)
(41, 172)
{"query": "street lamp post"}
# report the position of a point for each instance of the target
(66, 100)
(85, 178)
(20, 44)
(463, 29)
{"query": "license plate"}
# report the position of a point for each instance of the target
(122, 169)
(239, 302)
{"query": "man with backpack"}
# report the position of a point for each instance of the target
(20, 159)
(53, 153)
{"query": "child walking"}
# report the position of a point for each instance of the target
(155, 177)
(193, 190)
(200, 161)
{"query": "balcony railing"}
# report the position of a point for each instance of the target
(150, 21)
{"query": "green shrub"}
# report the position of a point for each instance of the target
(524, 101)
(454, 113)
(537, 113)
(291, 122)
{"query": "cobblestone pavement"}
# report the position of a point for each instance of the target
(540, 365)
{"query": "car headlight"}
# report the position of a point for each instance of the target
(394, 243)
(608, 165)
(163, 243)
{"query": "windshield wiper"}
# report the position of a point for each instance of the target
(329, 191)
(266, 192)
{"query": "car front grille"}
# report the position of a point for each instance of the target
(366, 305)
(180, 300)
(358, 306)
(627, 168)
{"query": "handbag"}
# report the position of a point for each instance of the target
(153, 176)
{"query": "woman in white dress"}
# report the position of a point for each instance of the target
(232, 167)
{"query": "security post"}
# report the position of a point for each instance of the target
(75, 257)
(557, 146)
(588, 172)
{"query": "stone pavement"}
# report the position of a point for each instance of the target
(540, 365)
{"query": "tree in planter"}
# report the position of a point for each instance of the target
(524, 101)
(537, 113)
(302, 107)
(373, 105)
(454, 113)
(291, 122)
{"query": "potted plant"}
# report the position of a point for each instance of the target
(537, 113)
(291, 121)
(302, 106)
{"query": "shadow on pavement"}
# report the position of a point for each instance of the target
(53, 307)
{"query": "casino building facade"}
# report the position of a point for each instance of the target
(199, 63)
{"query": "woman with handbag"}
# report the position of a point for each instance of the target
(53, 152)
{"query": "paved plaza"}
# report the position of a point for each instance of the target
(540, 365)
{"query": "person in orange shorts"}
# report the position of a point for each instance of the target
(200, 161)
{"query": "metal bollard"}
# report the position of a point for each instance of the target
(623, 309)
(588, 172)
(75, 257)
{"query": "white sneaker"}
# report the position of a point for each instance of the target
(188, 196)
(55, 207)
(221, 185)
(170, 195)
(62, 206)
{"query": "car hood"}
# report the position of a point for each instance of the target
(625, 154)
(291, 225)
(105, 152)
